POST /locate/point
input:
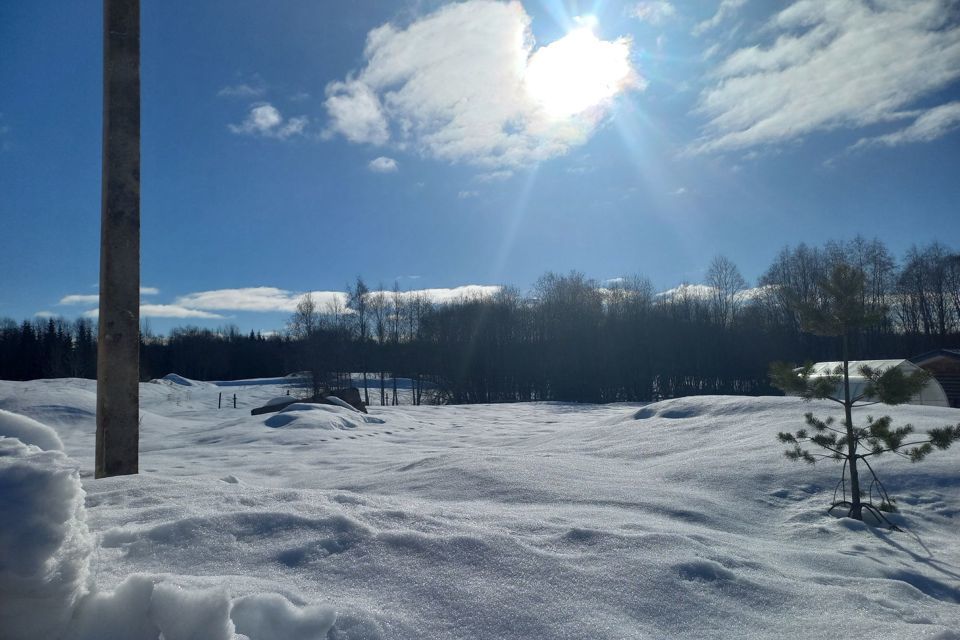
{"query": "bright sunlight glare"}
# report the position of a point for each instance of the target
(578, 71)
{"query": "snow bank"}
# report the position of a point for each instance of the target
(293, 378)
(272, 617)
(44, 543)
(175, 379)
(305, 415)
(29, 431)
(46, 590)
(143, 607)
(123, 614)
(334, 400)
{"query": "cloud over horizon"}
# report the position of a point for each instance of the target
(162, 311)
(264, 299)
(453, 86)
(272, 299)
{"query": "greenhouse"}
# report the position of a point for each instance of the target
(932, 393)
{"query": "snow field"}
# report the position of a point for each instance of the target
(675, 520)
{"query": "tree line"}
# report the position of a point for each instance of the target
(569, 338)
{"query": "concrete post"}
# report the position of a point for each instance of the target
(118, 351)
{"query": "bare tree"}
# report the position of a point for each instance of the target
(379, 308)
(726, 284)
(357, 300)
(305, 320)
(396, 305)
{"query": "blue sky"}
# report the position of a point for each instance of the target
(294, 145)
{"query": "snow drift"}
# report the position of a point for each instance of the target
(46, 588)
(44, 543)
(680, 519)
(308, 415)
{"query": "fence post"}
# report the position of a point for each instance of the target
(219, 399)
(234, 401)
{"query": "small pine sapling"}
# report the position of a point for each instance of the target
(840, 313)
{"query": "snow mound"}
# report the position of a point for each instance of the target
(303, 415)
(143, 607)
(340, 402)
(700, 406)
(44, 543)
(175, 379)
(29, 431)
(259, 382)
(272, 617)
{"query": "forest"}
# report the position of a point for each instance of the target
(569, 338)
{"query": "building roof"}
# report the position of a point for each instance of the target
(953, 354)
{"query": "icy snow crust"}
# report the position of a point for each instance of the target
(679, 519)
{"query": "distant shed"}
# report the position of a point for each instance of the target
(944, 364)
(932, 393)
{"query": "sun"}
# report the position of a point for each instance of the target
(578, 71)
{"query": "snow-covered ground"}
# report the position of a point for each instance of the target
(680, 519)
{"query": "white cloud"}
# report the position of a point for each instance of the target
(173, 311)
(494, 176)
(265, 120)
(254, 299)
(204, 304)
(453, 86)
(80, 299)
(45, 314)
(272, 299)
(726, 9)
(242, 90)
(243, 299)
(383, 164)
(355, 112)
(454, 294)
(94, 298)
(162, 311)
(706, 292)
(931, 125)
(834, 64)
(466, 195)
(679, 191)
(655, 12)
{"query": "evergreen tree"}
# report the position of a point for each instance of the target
(841, 312)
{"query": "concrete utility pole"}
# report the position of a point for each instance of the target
(118, 351)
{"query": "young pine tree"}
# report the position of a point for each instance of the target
(841, 312)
